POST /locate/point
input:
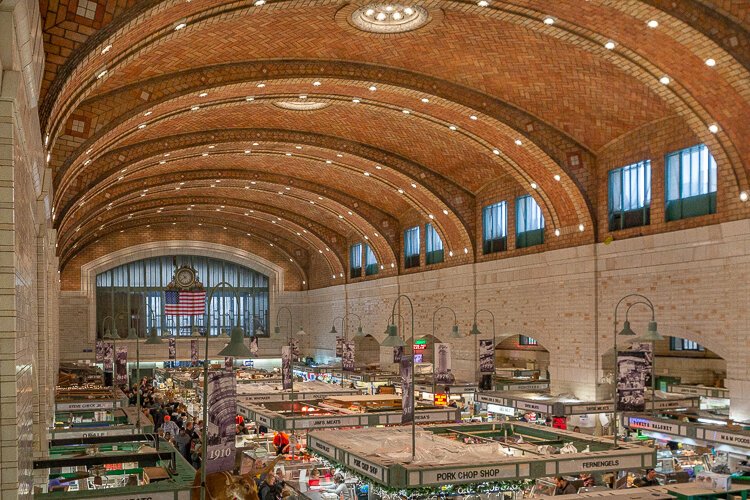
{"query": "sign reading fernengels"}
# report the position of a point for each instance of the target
(470, 474)
(603, 463)
(93, 405)
(651, 425)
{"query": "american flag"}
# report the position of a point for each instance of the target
(185, 303)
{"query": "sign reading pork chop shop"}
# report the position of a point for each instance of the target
(367, 468)
(468, 475)
(603, 463)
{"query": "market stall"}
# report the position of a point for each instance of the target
(262, 392)
(113, 467)
(504, 454)
(713, 399)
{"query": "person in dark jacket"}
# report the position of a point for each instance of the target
(648, 480)
(267, 490)
(564, 487)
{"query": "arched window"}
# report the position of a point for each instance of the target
(138, 287)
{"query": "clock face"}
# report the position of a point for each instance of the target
(185, 277)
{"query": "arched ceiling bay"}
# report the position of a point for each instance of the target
(380, 127)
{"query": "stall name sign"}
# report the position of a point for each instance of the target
(65, 434)
(355, 378)
(469, 475)
(96, 405)
(603, 463)
(482, 398)
(441, 399)
(524, 405)
(365, 467)
(679, 403)
(308, 423)
(501, 410)
(723, 437)
(594, 408)
(263, 419)
(527, 387)
(640, 423)
(319, 446)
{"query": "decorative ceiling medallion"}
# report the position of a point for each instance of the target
(301, 105)
(389, 18)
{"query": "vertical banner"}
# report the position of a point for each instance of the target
(228, 363)
(172, 346)
(347, 358)
(443, 374)
(221, 421)
(407, 394)
(109, 354)
(486, 357)
(121, 365)
(631, 380)
(339, 346)
(648, 368)
(295, 352)
(254, 349)
(398, 353)
(193, 353)
(286, 367)
(99, 351)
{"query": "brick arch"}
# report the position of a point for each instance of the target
(130, 158)
(334, 258)
(588, 37)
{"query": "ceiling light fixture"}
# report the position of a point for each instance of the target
(261, 85)
(101, 74)
(258, 3)
(249, 98)
(713, 128)
(549, 21)
(556, 177)
(425, 100)
(557, 232)
(581, 227)
(610, 45)
(483, 3)
(710, 62)
(203, 94)
(518, 142)
(195, 108)
(356, 101)
(744, 196)
(653, 23)
(533, 185)
(664, 80)
(373, 88)
(452, 127)
(107, 49)
(316, 83)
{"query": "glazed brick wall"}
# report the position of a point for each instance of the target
(654, 142)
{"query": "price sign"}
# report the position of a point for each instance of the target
(441, 399)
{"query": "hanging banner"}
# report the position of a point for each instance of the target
(193, 353)
(121, 365)
(228, 363)
(254, 349)
(407, 395)
(99, 351)
(172, 346)
(398, 352)
(443, 374)
(486, 356)
(339, 346)
(221, 421)
(347, 358)
(631, 380)
(294, 343)
(645, 347)
(286, 367)
(109, 354)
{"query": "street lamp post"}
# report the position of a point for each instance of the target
(393, 340)
(651, 336)
(345, 329)
(454, 334)
(235, 348)
(475, 331)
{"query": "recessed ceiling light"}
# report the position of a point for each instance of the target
(329, 162)
(609, 45)
(405, 111)
(101, 74)
(298, 147)
(339, 155)
(180, 26)
(166, 154)
(496, 151)
(203, 94)
(431, 216)
(316, 83)
(664, 80)
(320, 198)
(147, 113)
(195, 108)
(204, 154)
(288, 154)
(303, 97)
(247, 151)
(711, 62)
(378, 167)
(744, 196)
(518, 142)
(533, 185)
(653, 23)
(413, 185)
(252, 182)
(211, 146)
(341, 216)
(401, 191)
(107, 49)
(445, 212)
(549, 21)
(473, 117)
(367, 174)
(261, 85)
(249, 98)
(557, 232)
(466, 250)
(425, 100)
(452, 127)
(258, 3)
(142, 126)
(556, 177)
(581, 227)
(255, 144)
(483, 3)
(288, 189)
(356, 101)
(373, 88)
(713, 128)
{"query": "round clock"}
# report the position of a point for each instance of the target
(185, 277)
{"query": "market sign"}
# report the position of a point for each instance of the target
(93, 432)
(367, 468)
(466, 475)
(738, 440)
(604, 462)
(421, 416)
(92, 405)
(313, 423)
(323, 448)
(709, 392)
(653, 425)
(522, 386)
(501, 410)
(484, 398)
(441, 399)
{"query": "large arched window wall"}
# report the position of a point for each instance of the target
(139, 287)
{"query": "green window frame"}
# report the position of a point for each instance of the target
(371, 262)
(529, 222)
(355, 260)
(433, 245)
(411, 247)
(691, 182)
(495, 227)
(630, 196)
(680, 344)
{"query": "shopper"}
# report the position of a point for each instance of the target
(339, 487)
(564, 487)
(169, 426)
(183, 443)
(281, 442)
(266, 490)
(648, 480)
